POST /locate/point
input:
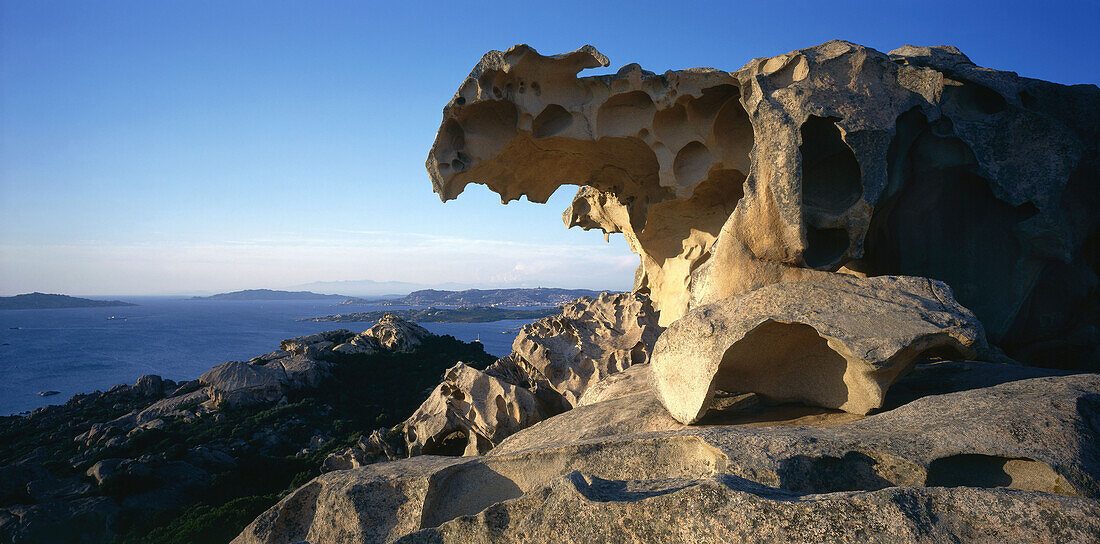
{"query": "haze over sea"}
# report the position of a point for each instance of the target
(78, 350)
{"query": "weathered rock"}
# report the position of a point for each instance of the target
(236, 383)
(911, 474)
(396, 334)
(838, 342)
(831, 158)
(375, 448)
(738, 511)
(559, 357)
(469, 413)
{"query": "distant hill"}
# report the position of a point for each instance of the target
(476, 314)
(42, 301)
(539, 296)
(374, 289)
(270, 294)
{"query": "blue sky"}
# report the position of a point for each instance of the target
(181, 146)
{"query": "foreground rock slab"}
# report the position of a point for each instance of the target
(838, 342)
(962, 465)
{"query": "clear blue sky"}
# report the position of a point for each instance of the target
(174, 146)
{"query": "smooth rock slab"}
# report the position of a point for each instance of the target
(838, 342)
(878, 478)
(584, 509)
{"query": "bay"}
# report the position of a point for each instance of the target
(78, 350)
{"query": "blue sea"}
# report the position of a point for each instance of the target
(78, 350)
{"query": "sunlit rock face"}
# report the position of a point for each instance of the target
(831, 159)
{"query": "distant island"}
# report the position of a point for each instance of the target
(468, 314)
(270, 294)
(542, 297)
(43, 301)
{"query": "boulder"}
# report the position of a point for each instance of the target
(836, 158)
(469, 413)
(236, 384)
(961, 465)
(838, 342)
(396, 334)
(559, 357)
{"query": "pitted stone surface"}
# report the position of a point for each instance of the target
(833, 158)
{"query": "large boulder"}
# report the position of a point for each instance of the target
(954, 466)
(237, 383)
(838, 342)
(832, 158)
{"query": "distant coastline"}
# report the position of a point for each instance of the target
(270, 294)
(474, 314)
(43, 301)
(538, 297)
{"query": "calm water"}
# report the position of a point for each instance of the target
(78, 350)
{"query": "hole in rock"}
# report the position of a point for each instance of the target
(976, 470)
(824, 247)
(624, 114)
(828, 474)
(451, 140)
(671, 125)
(691, 164)
(784, 362)
(553, 120)
(969, 98)
(831, 178)
(469, 488)
(453, 444)
(734, 135)
(939, 219)
(702, 111)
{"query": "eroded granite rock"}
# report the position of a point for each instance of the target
(1027, 447)
(834, 158)
(837, 342)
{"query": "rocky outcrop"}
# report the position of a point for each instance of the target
(978, 465)
(561, 356)
(374, 448)
(835, 158)
(838, 342)
(303, 362)
(469, 413)
(553, 362)
(395, 334)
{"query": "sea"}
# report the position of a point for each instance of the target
(79, 350)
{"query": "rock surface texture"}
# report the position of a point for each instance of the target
(999, 455)
(838, 342)
(554, 361)
(834, 158)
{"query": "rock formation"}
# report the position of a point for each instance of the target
(560, 356)
(931, 469)
(838, 342)
(469, 413)
(834, 158)
(303, 361)
(553, 363)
